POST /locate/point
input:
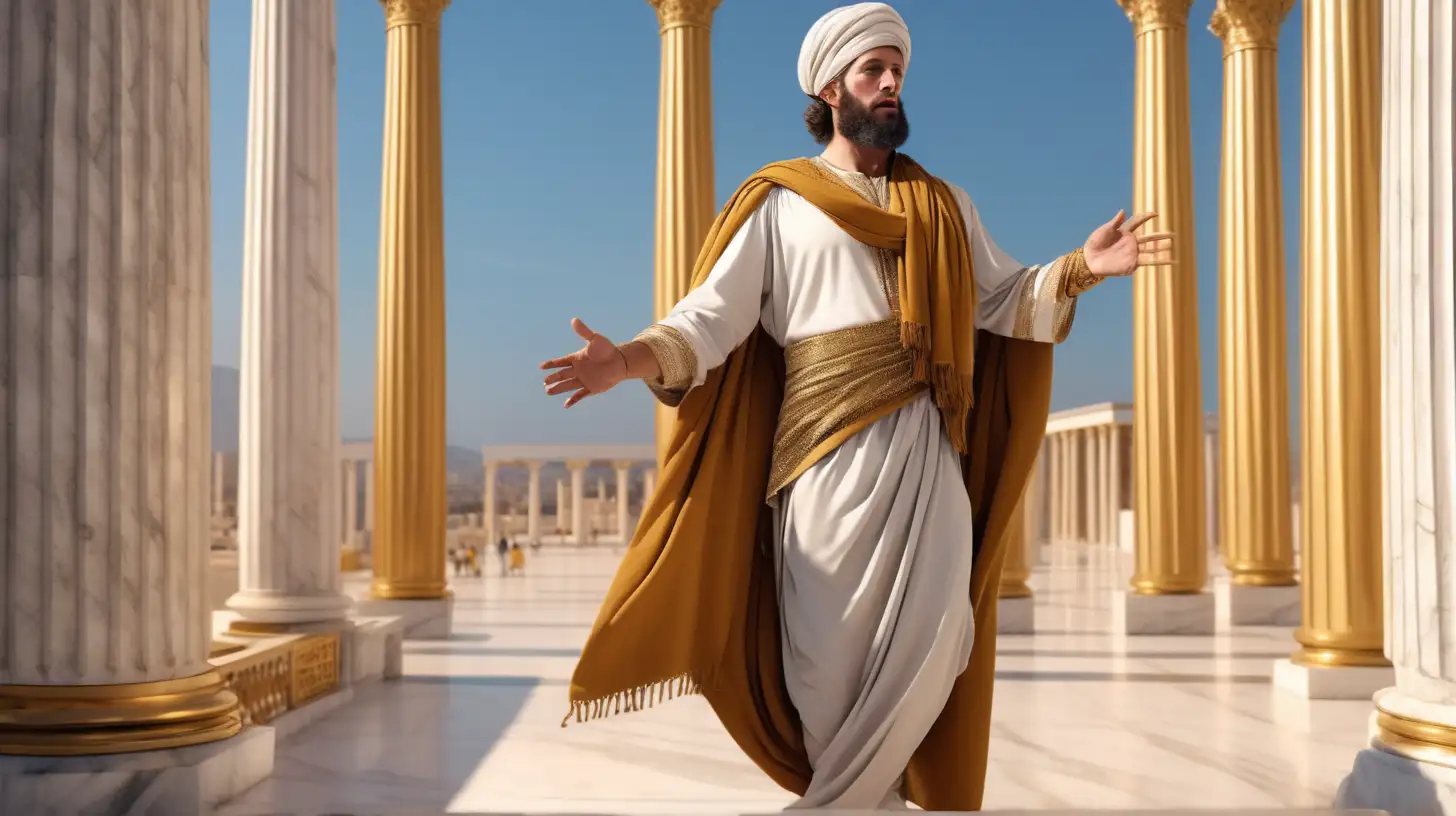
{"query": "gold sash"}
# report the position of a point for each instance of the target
(835, 384)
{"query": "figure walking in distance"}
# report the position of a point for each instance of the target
(861, 376)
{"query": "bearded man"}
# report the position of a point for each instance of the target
(861, 379)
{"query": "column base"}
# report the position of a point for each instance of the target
(1190, 614)
(271, 607)
(424, 619)
(195, 779)
(378, 652)
(1331, 682)
(1240, 605)
(1397, 785)
(1016, 616)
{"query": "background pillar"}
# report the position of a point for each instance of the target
(1172, 566)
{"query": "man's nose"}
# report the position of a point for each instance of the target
(889, 84)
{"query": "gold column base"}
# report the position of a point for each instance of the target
(117, 719)
(1154, 586)
(1330, 656)
(1014, 589)
(1419, 740)
(1261, 575)
(384, 589)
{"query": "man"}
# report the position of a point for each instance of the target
(502, 551)
(861, 362)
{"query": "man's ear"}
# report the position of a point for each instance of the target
(830, 94)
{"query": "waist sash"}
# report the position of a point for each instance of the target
(835, 385)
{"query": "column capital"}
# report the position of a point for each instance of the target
(677, 13)
(413, 12)
(1245, 24)
(578, 464)
(1150, 15)
(534, 465)
(624, 464)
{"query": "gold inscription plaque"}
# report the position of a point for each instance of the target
(315, 667)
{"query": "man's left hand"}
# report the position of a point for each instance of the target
(1113, 250)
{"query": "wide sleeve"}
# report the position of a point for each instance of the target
(1036, 302)
(716, 317)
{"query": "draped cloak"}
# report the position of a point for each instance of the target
(693, 607)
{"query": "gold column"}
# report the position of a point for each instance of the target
(1255, 535)
(1340, 509)
(1017, 568)
(685, 199)
(1168, 419)
(409, 411)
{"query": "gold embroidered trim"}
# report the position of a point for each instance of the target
(675, 357)
(1079, 277)
(832, 381)
(1026, 307)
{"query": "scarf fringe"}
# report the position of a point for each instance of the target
(639, 698)
(954, 392)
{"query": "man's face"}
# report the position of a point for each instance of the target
(867, 105)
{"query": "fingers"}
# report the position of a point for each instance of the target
(1138, 221)
(1158, 262)
(1154, 237)
(564, 386)
(558, 362)
(577, 397)
(559, 375)
(581, 329)
(1117, 219)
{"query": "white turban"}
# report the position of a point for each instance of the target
(842, 35)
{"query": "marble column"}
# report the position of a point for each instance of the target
(369, 502)
(1166, 590)
(288, 457)
(649, 484)
(685, 200)
(1015, 606)
(1118, 495)
(577, 469)
(1410, 765)
(1254, 536)
(1340, 640)
(624, 475)
(563, 505)
(409, 434)
(533, 502)
(1055, 488)
(219, 475)
(351, 503)
(488, 501)
(105, 269)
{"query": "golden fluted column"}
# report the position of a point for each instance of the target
(1340, 507)
(1168, 419)
(685, 199)
(1256, 537)
(409, 412)
(1166, 589)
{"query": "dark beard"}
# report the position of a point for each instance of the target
(858, 124)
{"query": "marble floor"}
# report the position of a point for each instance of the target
(1083, 719)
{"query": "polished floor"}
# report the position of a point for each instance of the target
(1083, 719)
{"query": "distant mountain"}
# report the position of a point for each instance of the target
(225, 393)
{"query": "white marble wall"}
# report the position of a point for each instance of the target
(1418, 412)
(105, 300)
(288, 485)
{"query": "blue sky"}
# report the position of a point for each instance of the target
(550, 122)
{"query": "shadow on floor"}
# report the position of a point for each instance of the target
(1130, 677)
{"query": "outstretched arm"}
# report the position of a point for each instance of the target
(1038, 302)
(676, 353)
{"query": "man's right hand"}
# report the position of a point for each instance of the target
(596, 368)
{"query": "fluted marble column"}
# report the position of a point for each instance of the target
(1340, 569)
(1410, 766)
(533, 502)
(105, 246)
(578, 500)
(1168, 423)
(288, 457)
(409, 422)
(649, 484)
(487, 509)
(351, 502)
(219, 475)
(369, 501)
(624, 475)
(1252, 369)
(685, 199)
(1255, 535)
(563, 521)
(1166, 590)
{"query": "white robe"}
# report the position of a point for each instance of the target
(873, 541)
